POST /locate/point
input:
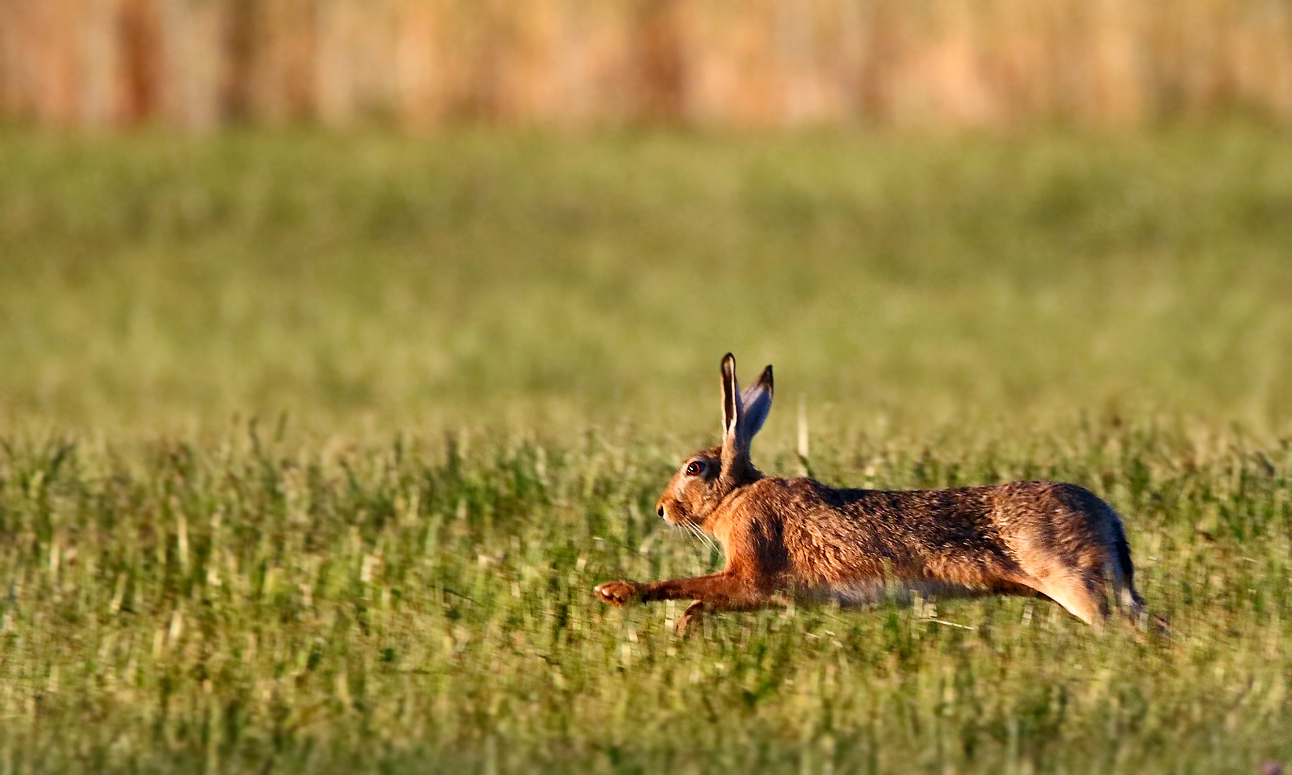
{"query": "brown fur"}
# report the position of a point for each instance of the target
(798, 539)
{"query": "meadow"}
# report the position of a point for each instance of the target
(314, 445)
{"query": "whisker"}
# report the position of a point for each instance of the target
(704, 537)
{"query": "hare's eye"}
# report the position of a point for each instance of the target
(694, 468)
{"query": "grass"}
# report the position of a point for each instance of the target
(314, 446)
(255, 606)
(365, 284)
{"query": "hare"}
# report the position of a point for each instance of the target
(799, 540)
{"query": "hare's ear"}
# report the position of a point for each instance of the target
(755, 403)
(743, 414)
(730, 398)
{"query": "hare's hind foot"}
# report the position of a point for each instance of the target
(1146, 625)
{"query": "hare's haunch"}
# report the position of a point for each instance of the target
(797, 539)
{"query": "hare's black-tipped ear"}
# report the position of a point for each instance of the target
(755, 403)
(742, 417)
(730, 397)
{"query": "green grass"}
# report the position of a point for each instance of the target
(314, 446)
(255, 605)
(368, 284)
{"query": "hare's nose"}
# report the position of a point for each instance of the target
(660, 510)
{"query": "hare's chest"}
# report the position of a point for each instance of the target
(754, 540)
(722, 530)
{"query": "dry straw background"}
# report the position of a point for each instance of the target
(203, 64)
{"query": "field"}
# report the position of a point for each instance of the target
(315, 445)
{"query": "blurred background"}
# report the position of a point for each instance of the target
(415, 64)
(358, 218)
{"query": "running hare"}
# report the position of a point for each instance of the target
(797, 539)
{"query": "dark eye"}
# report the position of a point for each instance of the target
(694, 468)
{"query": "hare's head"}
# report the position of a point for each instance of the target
(710, 475)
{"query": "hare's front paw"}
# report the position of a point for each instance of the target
(619, 592)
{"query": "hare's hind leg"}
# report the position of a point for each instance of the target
(1081, 594)
(1079, 590)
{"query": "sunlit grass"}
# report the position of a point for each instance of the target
(255, 605)
(314, 447)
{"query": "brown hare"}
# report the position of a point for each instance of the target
(799, 540)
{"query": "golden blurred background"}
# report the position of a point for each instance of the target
(415, 64)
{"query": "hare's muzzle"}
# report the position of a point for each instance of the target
(663, 512)
(668, 510)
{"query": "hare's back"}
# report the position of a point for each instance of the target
(991, 513)
(969, 535)
(946, 534)
(1032, 525)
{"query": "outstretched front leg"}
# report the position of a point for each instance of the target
(725, 591)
